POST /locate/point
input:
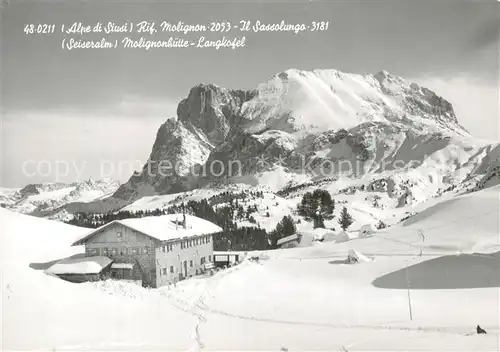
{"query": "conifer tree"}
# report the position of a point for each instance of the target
(345, 219)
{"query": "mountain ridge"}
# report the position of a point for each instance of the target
(308, 125)
(220, 120)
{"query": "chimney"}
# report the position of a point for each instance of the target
(184, 221)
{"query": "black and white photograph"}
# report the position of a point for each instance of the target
(237, 175)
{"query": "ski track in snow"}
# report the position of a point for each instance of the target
(200, 306)
(194, 308)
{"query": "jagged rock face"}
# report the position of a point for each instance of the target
(177, 150)
(212, 110)
(183, 145)
(307, 122)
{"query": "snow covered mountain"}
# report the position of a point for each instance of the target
(45, 198)
(378, 134)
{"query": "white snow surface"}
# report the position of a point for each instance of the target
(298, 101)
(287, 239)
(342, 237)
(298, 299)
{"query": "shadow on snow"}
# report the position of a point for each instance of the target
(448, 272)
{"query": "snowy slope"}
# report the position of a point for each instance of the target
(308, 299)
(298, 299)
(321, 100)
(59, 315)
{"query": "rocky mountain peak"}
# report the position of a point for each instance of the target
(324, 114)
(211, 110)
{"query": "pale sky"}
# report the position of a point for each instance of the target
(92, 109)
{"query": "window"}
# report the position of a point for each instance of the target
(171, 268)
(208, 239)
(94, 252)
(114, 251)
(145, 250)
(164, 271)
(202, 260)
(182, 245)
(163, 249)
(105, 251)
(119, 235)
(209, 258)
(190, 263)
(135, 250)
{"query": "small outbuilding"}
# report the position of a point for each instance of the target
(296, 240)
(81, 269)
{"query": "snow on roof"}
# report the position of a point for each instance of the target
(230, 252)
(122, 266)
(318, 232)
(287, 239)
(81, 265)
(163, 227)
(367, 230)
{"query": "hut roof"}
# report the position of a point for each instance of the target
(81, 265)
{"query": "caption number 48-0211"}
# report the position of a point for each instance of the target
(39, 28)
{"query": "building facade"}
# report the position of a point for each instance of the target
(157, 250)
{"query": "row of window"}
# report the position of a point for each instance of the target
(164, 270)
(191, 263)
(195, 242)
(186, 244)
(145, 250)
(121, 251)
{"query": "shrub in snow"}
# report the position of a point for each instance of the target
(329, 236)
(381, 225)
(342, 237)
(354, 257)
(366, 230)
